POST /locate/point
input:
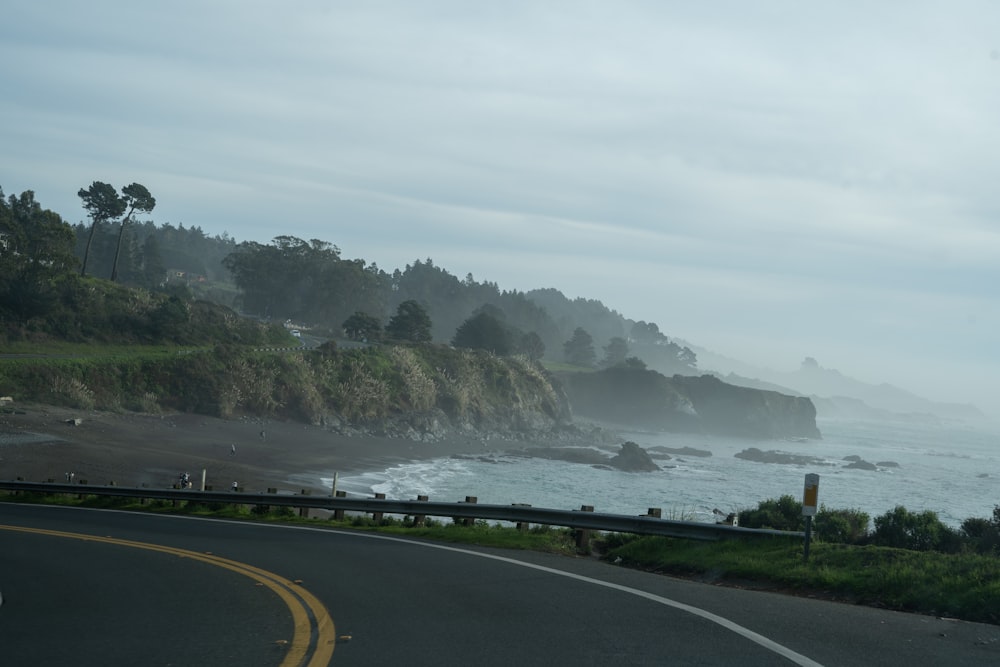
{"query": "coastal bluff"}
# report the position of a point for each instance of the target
(415, 392)
(692, 404)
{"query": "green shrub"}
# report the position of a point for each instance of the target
(903, 529)
(841, 526)
(983, 535)
(785, 513)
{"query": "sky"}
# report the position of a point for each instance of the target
(767, 180)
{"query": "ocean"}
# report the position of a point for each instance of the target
(950, 468)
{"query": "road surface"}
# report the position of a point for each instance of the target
(352, 598)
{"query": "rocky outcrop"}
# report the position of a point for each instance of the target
(632, 396)
(633, 458)
(731, 410)
(644, 398)
(630, 457)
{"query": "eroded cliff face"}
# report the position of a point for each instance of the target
(421, 392)
(434, 392)
(705, 404)
(414, 391)
(732, 410)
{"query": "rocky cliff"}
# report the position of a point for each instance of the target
(415, 391)
(419, 392)
(646, 399)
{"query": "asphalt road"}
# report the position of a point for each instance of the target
(221, 593)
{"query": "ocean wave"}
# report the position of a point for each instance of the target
(924, 480)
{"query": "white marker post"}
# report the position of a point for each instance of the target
(810, 496)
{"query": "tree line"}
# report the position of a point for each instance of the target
(309, 282)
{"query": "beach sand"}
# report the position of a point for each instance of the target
(39, 443)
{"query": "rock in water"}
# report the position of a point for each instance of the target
(633, 458)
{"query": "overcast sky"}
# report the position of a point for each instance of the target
(770, 180)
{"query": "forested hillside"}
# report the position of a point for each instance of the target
(434, 354)
(306, 282)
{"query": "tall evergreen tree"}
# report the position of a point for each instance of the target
(103, 204)
(483, 331)
(615, 352)
(579, 349)
(363, 327)
(136, 198)
(36, 249)
(411, 322)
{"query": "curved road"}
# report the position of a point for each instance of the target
(157, 590)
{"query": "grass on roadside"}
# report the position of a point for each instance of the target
(965, 585)
(537, 538)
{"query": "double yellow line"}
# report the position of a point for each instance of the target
(314, 635)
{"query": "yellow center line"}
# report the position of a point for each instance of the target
(313, 627)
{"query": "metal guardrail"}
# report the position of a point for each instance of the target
(524, 514)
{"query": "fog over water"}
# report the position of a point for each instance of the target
(765, 180)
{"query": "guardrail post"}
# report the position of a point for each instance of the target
(338, 515)
(655, 512)
(522, 526)
(81, 496)
(264, 509)
(419, 519)
(377, 516)
(583, 534)
(304, 511)
(469, 521)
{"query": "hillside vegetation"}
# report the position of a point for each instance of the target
(413, 390)
(430, 354)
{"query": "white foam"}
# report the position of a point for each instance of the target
(946, 485)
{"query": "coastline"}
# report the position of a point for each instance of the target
(42, 442)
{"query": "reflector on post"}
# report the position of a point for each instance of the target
(810, 496)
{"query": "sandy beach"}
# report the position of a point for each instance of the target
(39, 443)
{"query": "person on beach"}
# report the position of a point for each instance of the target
(232, 449)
